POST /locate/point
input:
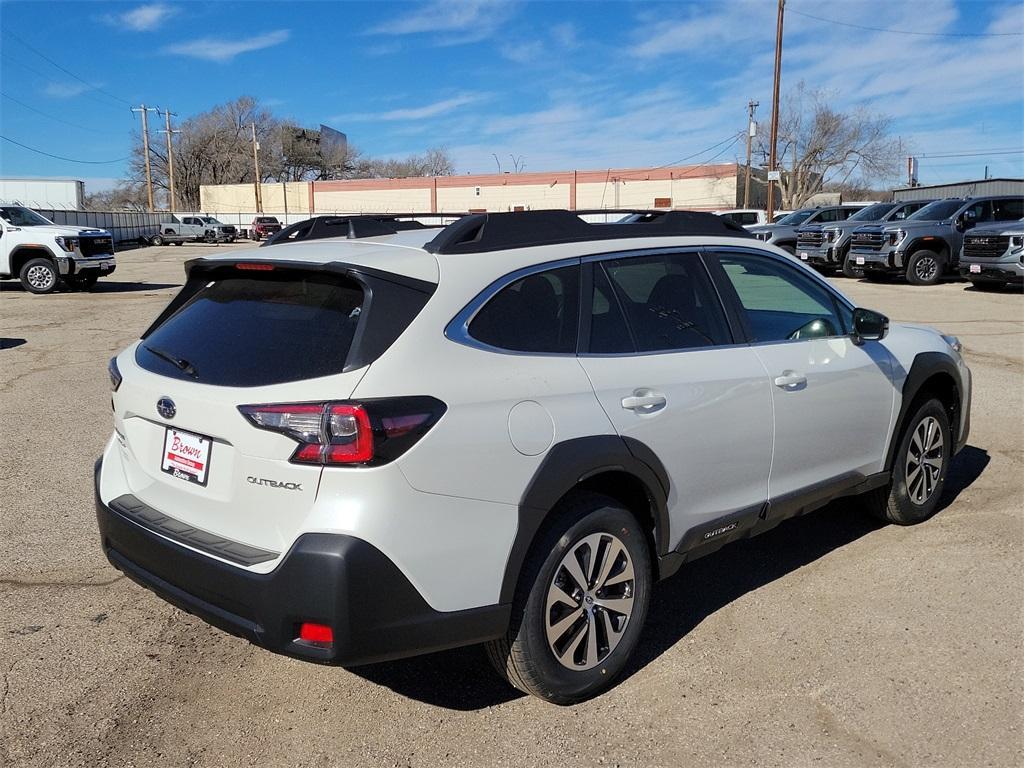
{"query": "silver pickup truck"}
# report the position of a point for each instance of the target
(993, 255)
(192, 228)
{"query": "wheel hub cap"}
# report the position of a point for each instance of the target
(924, 460)
(40, 277)
(589, 601)
(926, 268)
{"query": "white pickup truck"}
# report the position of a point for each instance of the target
(43, 255)
(193, 228)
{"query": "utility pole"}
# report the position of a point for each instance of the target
(256, 163)
(775, 111)
(145, 149)
(170, 157)
(751, 130)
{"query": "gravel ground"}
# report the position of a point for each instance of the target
(831, 640)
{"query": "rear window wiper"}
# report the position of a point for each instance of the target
(180, 363)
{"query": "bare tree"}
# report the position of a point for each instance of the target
(126, 196)
(820, 147)
(215, 147)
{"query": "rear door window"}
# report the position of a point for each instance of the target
(538, 313)
(1009, 210)
(257, 330)
(668, 302)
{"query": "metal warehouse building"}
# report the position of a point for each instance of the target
(698, 187)
(974, 188)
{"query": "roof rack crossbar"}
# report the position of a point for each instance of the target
(356, 226)
(480, 233)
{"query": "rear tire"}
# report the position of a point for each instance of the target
(925, 268)
(919, 468)
(568, 641)
(156, 240)
(39, 275)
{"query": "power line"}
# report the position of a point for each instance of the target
(64, 70)
(906, 31)
(974, 153)
(45, 114)
(58, 157)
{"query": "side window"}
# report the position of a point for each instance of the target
(779, 302)
(832, 215)
(748, 218)
(1009, 210)
(982, 211)
(666, 300)
(539, 313)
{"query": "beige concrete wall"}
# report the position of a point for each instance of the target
(695, 187)
(368, 200)
(695, 193)
(233, 198)
(504, 197)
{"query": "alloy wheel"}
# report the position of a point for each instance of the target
(924, 460)
(589, 601)
(40, 277)
(926, 269)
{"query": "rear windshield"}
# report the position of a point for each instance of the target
(267, 220)
(256, 330)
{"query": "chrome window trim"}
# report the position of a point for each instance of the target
(457, 329)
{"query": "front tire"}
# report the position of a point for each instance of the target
(919, 468)
(580, 604)
(156, 240)
(925, 268)
(851, 270)
(39, 275)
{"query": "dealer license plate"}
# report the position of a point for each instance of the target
(803, 255)
(860, 261)
(975, 269)
(186, 456)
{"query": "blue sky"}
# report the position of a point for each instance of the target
(557, 85)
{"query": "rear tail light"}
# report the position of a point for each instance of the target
(370, 432)
(316, 634)
(115, 374)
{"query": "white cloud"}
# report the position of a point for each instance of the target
(144, 18)
(68, 90)
(223, 49)
(455, 21)
(436, 109)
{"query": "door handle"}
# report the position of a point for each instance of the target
(644, 400)
(790, 380)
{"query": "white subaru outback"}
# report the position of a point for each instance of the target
(353, 449)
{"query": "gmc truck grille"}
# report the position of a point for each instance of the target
(96, 246)
(811, 239)
(986, 247)
(867, 240)
(228, 229)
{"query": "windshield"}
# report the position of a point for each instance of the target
(872, 212)
(796, 217)
(940, 209)
(17, 216)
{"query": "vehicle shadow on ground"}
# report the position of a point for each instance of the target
(463, 679)
(104, 286)
(8, 343)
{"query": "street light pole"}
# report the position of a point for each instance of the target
(775, 111)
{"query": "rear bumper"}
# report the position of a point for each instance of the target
(375, 612)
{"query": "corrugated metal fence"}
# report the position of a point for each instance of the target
(125, 226)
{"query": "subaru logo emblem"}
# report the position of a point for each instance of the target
(165, 407)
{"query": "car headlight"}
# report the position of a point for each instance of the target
(67, 243)
(953, 342)
(896, 236)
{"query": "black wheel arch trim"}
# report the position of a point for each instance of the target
(570, 462)
(925, 366)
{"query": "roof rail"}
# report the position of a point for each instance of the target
(480, 233)
(353, 227)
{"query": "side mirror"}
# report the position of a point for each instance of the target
(967, 219)
(869, 325)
